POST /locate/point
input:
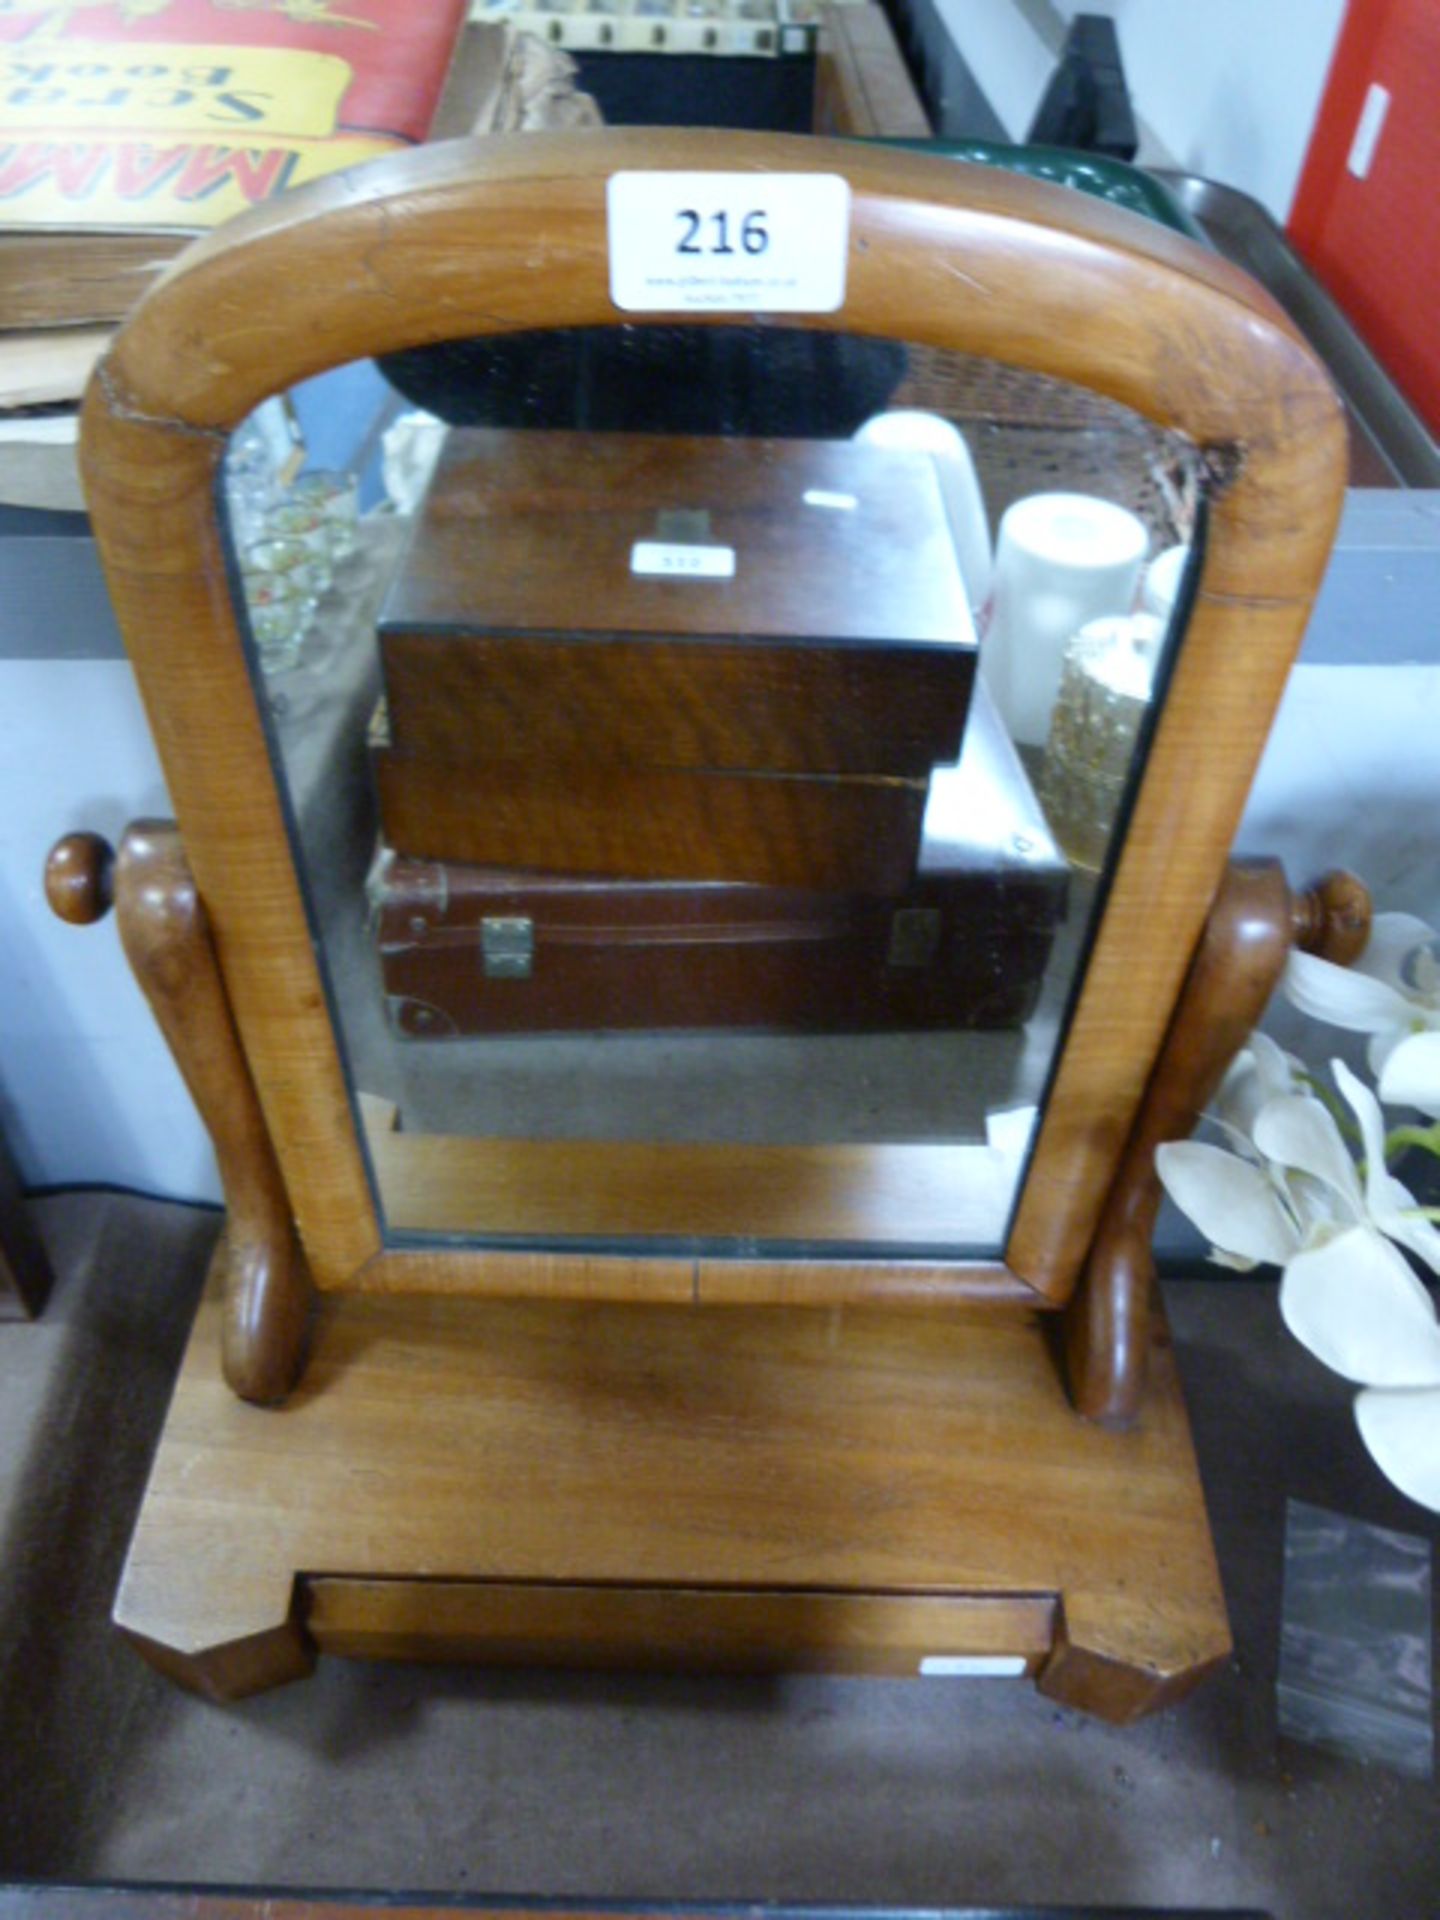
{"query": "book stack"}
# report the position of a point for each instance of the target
(127, 129)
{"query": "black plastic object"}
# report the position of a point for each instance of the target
(1087, 103)
(749, 91)
(766, 382)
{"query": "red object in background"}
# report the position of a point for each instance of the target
(399, 50)
(1375, 241)
(173, 115)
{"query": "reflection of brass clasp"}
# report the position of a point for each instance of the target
(687, 526)
(914, 937)
(507, 946)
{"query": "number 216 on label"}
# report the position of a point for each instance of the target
(728, 242)
(701, 235)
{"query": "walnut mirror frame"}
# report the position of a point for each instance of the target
(510, 234)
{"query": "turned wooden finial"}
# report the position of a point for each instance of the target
(1331, 917)
(80, 878)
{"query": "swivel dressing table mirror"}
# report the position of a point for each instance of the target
(683, 1080)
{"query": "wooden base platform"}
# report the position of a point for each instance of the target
(753, 1489)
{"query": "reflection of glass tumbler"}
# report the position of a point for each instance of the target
(278, 613)
(335, 497)
(303, 571)
(1105, 689)
(1062, 559)
(283, 583)
(304, 524)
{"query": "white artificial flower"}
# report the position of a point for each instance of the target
(1292, 1195)
(1392, 990)
(1411, 1074)
(1236, 1203)
(1293, 1184)
(1388, 1204)
(1402, 1432)
(1235, 1197)
(1260, 1072)
(1358, 1305)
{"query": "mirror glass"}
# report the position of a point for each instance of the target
(705, 748)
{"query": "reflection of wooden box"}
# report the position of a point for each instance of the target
(671, 656)
(479, 949)
(688, 824)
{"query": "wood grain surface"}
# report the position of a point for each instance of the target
(510, 233)
(167, 940)
(841, 642)
(509, 700)
(166, 937)
(691, 1628)
(814, 1489)
(535, 528)
(1236, 968)
(928, 1196)
(783, 830)
(80, 879)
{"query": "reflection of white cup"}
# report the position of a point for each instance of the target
(1162, 582)
(910, 431)
(1062, 559)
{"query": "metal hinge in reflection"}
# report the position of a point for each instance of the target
(507, 946)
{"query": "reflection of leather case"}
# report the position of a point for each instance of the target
(773, 717)
(467, 950)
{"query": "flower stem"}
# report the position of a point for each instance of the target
(1399, 1138)
(1337, 1109)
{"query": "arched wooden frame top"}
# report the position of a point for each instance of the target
(504, 234)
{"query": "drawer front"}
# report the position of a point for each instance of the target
(507, 1623)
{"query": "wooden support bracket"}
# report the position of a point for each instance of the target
(166, 937)
(1252, 926)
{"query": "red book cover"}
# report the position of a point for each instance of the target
(180, 113)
